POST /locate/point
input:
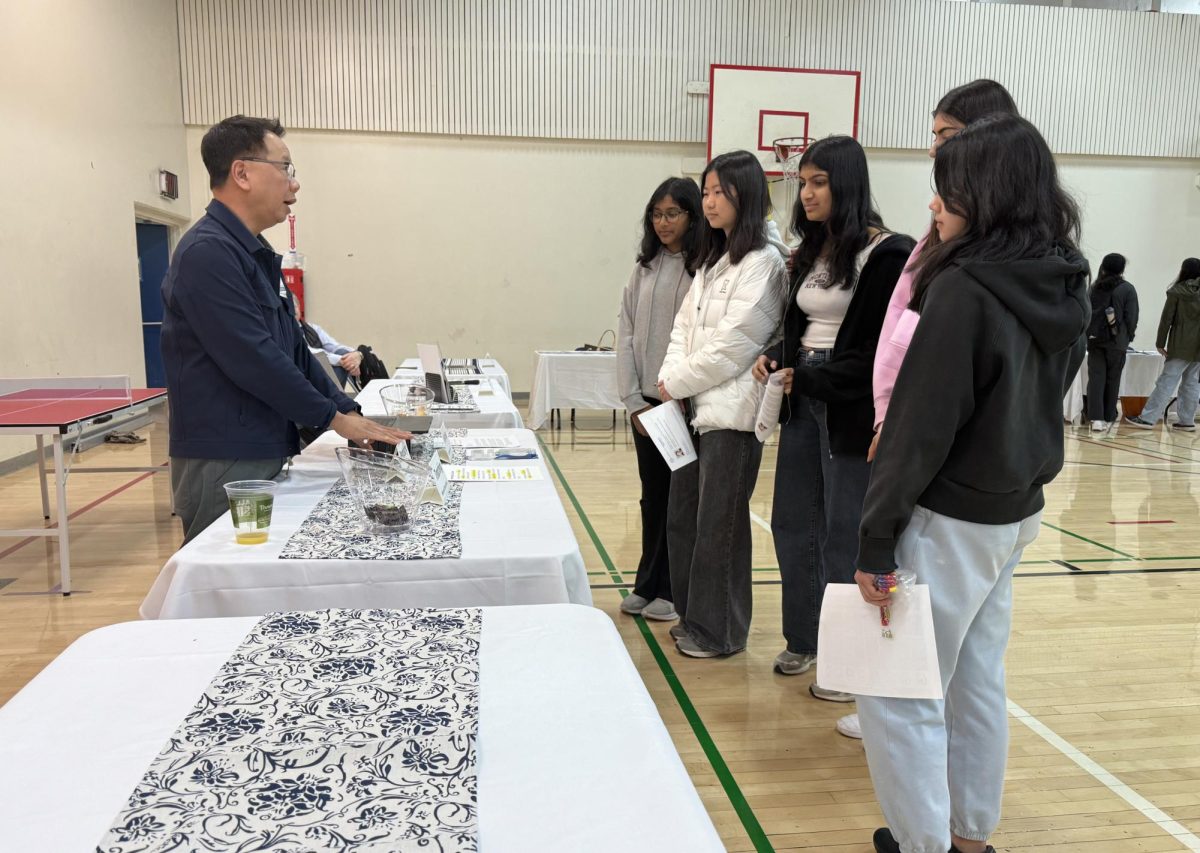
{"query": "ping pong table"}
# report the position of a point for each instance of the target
(65, 407)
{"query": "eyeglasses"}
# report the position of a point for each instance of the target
(288, 168)
(670, 215)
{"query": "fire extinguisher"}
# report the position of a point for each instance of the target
(293, 269)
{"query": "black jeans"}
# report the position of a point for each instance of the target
(814, 519)
(1105, 364)
(654, 569)
(708, 536)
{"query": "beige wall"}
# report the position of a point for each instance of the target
(89, 110)
(506, 246)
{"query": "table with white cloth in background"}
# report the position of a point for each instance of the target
(1137, 380)
(496, 409)
(572, 380)
(492, 369)
(517, 548)
(552, 681)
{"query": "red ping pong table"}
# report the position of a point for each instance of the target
(52, 407)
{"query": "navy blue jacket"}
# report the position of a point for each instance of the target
(239, 373)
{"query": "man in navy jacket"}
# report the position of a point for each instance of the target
(239, 373)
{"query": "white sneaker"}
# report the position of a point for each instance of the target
(791, 663)
(850, 727)
(633, 604)
(1099, 426)
(659, 609)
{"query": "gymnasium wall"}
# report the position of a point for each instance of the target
(474, 171)
(90, 110)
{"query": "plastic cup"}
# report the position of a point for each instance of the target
(250, 504)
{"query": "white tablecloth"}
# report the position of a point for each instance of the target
(571, 747)
(491, 368)
(572, 380)
(517, 548)
(496, 410)
(1137, 380)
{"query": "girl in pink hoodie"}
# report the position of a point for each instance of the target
(957, 108)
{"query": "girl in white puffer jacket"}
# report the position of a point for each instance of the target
(731, 313)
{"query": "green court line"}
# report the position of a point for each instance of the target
(1089, 541)
(749, 822)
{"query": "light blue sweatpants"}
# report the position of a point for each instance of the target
(938, 766)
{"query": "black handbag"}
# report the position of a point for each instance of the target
(599, 345)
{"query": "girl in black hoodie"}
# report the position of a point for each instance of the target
(974, 433)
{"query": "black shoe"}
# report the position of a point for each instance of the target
(885, 843)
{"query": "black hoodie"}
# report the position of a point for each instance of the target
(974, 429)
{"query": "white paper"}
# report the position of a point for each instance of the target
(469, 440)
(492, 473)
(768, 410)
(670, 434)
(435, 492)
(856, 658)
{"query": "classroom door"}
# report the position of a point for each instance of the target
(154, 254)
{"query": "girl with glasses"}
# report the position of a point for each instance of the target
(660, 280)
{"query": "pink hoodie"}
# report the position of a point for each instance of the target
(898, 326)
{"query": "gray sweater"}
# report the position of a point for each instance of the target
(648, 308)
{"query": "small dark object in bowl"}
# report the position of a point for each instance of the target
(387, 514)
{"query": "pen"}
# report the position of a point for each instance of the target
(885, 583)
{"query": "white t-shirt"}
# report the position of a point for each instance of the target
(825, 303)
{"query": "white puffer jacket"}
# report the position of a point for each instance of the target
(730, 315)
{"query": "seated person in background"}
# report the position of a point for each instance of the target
(344, 360)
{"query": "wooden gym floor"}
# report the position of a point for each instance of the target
(1102, 668)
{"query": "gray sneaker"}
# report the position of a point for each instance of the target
(633, 604)
(1184, 427)
(829, 695)
(678, 632)
(692, 649)
(1138, 422)
(661, 610)
(790, 663)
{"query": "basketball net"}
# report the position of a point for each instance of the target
(788, 151)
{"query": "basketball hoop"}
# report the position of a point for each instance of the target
(788, 151)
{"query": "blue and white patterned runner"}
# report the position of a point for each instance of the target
(338, 730)
(333, 529)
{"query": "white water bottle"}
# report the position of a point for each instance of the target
(768, 410)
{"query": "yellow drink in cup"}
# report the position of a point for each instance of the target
(251, 503)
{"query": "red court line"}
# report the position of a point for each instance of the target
(81, 511)
(1142, 522)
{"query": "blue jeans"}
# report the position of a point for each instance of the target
(814, 518)
(1185, 374)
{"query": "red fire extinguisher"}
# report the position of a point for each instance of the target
(293, 269)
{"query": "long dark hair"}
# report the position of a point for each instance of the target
(1188, 270)
(1112, 268)
(1000, 176)
(745, 185)
(687, 195)
(852, 214)
(972, 101)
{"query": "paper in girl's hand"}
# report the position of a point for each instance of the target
(669, 431)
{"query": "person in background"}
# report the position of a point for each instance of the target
(974, 433)
(1179, 342)
(730, 314)
(239, 374)
(1111, 330)
(657, 286)
(344, 360)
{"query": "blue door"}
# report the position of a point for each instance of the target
(154, 254)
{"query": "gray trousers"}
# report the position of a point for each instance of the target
(708, 539)
(938, 765)
(198, 486)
